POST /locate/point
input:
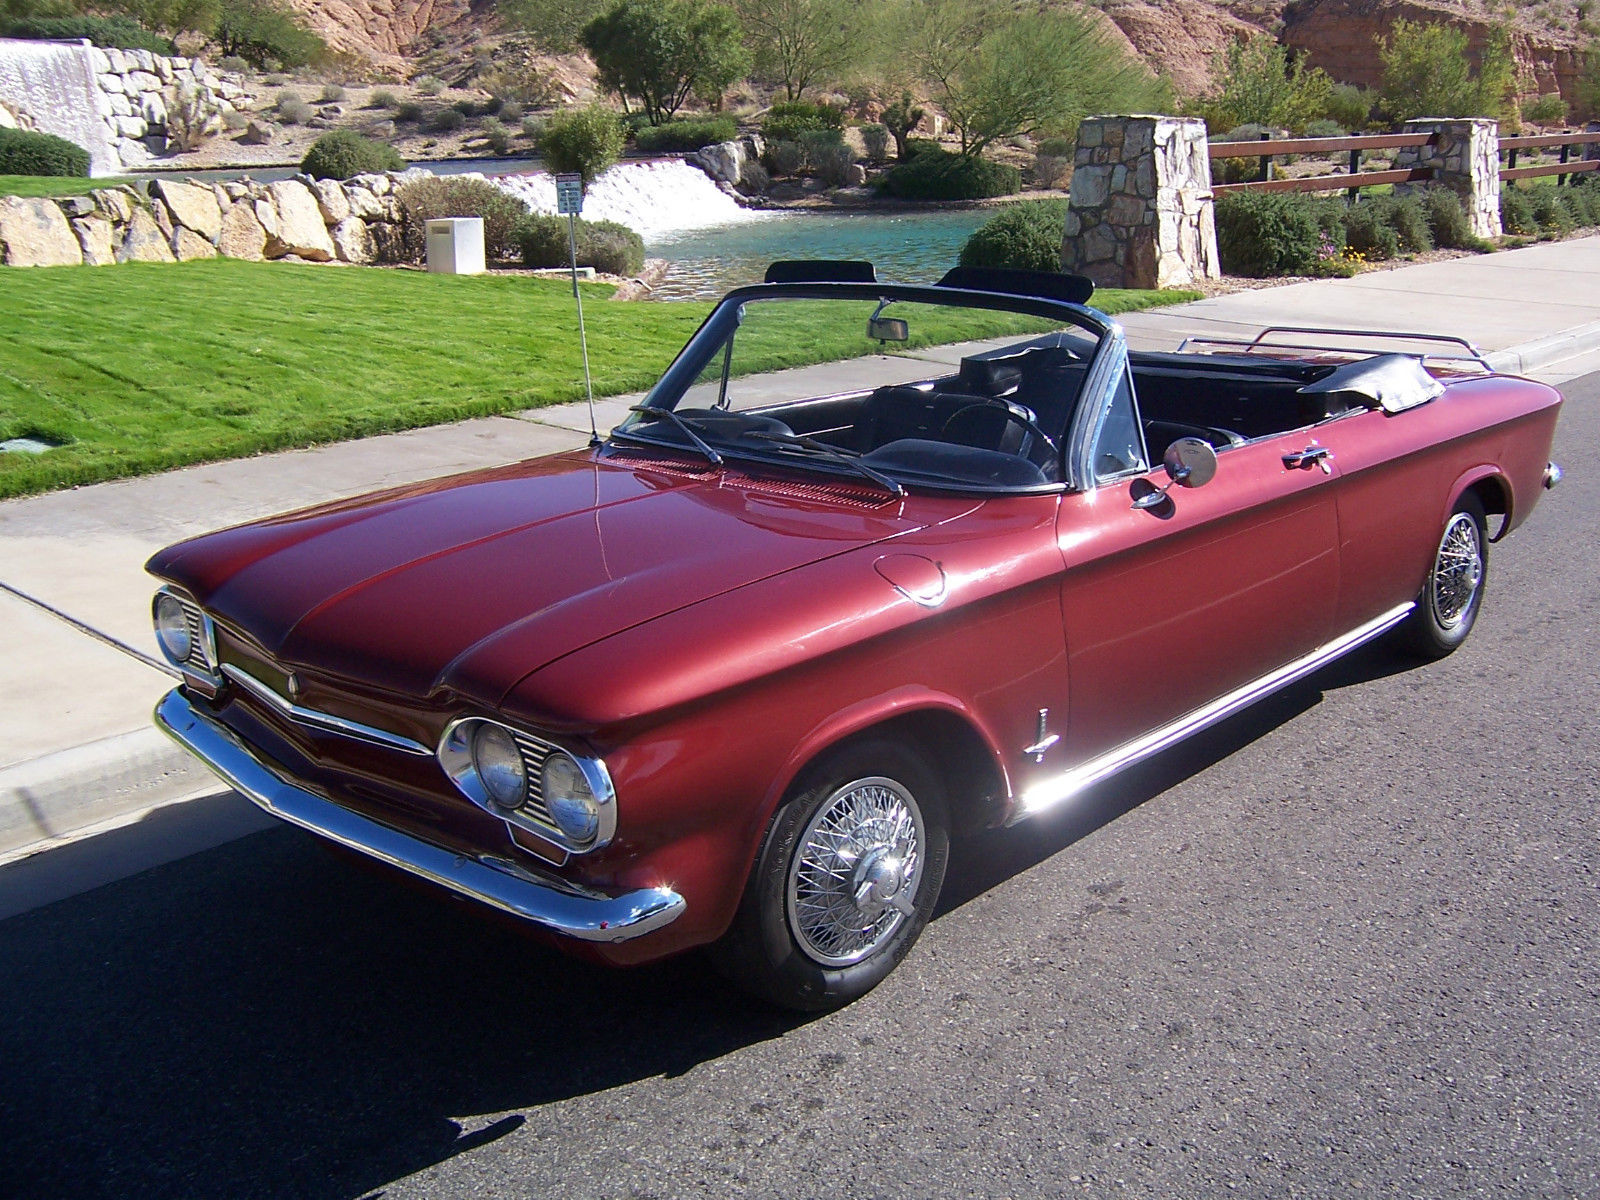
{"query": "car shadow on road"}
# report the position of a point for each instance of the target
(263, 1020)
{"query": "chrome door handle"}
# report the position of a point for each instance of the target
(1309, 457)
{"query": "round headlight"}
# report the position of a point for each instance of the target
(172, 629)
(569, 798)
(499, 765)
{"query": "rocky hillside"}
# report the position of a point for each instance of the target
(1178, 37)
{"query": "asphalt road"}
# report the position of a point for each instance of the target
(1343, 945)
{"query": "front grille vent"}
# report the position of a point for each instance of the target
(534, 752)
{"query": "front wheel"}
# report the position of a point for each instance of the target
(846, 879)
(1449, 601)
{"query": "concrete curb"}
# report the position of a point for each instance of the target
(47, 799)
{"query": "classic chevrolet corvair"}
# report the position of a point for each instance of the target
(735, 676)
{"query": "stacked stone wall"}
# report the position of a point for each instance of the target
(1465, 157)
(138, 91)
(354, 221)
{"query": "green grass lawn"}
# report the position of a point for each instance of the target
(53, 185)
(145, 367)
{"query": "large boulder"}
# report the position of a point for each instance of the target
(242, 235)
(364, 204)
(35, 233)
(191, 206)
(300, 230)
(188, 245)
(144, 241)
(353, 241)
(332, 200)
(94, 236)
(115, 203)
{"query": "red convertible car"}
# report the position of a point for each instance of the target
(871, 567)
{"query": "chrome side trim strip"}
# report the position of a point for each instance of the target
(327, 722)
(512, 888)
(1048, 793)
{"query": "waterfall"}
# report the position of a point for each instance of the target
(657, 199)
(54, 84)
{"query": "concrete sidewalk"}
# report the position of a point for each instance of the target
(79, 669)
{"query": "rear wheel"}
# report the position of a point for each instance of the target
(846, 879)
(1447, 606)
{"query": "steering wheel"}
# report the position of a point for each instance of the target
(1010, 412)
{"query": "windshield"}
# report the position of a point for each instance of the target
(896, 391)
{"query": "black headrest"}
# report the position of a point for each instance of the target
(990, 376)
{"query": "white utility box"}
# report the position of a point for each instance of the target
(455, 246)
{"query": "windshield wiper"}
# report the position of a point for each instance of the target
(700, 443)
(833, 454)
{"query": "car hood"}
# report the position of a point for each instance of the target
(470, 583)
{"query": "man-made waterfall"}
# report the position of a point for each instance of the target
(655, 198)
(54, 84)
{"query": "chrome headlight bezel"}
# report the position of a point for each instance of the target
(201, 659)
(532, 814)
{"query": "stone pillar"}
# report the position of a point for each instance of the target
(1139, 212)
(1465, 157)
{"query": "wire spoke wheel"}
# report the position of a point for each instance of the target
(855, 871)
(1457, 571)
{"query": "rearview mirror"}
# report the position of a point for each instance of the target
(888, 329)
(1189, 462)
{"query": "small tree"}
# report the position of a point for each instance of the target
(1586, 96)
(658, 52)
(900, 118)
(261, 33)
(1427, 72)
(800, 43)
(1258, 84)
(584, 140)
(554, 24)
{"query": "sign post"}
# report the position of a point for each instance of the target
(569, 203)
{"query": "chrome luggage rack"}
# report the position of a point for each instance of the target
(1265, 343)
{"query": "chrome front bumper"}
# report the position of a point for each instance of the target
(560, 908)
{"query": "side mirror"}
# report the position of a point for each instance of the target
(1189, 462)
(888, 329)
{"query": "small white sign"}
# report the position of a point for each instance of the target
(569, 194)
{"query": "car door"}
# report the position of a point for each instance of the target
(1170, 607)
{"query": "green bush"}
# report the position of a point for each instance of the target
(683, 137)
(604, 245)
(498, 135)
(1448, 220)
(1025, 236)
(1516, 212)
(784, 158)
(121, 32)
(1584, 200)
(332, 93)
(1546, 110)
(343, 154)
(584, 140)
(1550, 209)
(383, 99)
(1324, 127)
(830, 161)
(24, 152)
(408, 110)
(429, 85)
(1368, 234)
(1262, 234)
(448, 120)
(292, 110)
(1349, 106)
(260, 32)
(1403, 213)
(937, 174)
(423, 200)
(876, 140)
(787, 120)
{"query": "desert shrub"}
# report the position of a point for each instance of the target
(1550, 210)
(1546, 110)
(585, 140)
(428, 85)
(784, 158)
(343, 154)
(533, 128)
(937, 174)
(448, 120)
(1368, 234)
(1324, 127)
(260, 32)
(24, 152)
(517, 83)
(409, 110)
(1025, 236)
(332, 93)
(292, 110)
(604, 245)
(1266, 233)
(1405, 214)
(383, 99)
(876, 140)
(1349, 106)
(423, 200)
(1516, 212)
(831, 162)
(233, 120)
(685, 136)
(233, 63)
(120, 32)
(1584, 200)
(787, 120)
(498, 135)
(510, 112)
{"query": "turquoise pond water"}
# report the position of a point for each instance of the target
(913, 247)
